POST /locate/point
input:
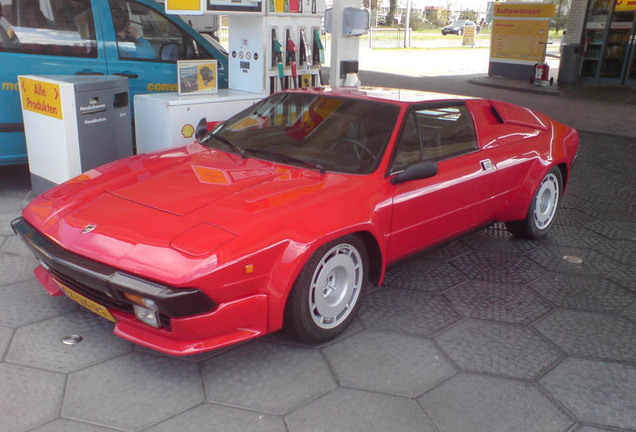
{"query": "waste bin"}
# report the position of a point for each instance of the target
(569, 66)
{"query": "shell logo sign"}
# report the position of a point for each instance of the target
(187, 131)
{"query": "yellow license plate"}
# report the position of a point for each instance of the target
(87, 303)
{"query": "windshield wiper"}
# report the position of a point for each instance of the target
(286, 158)
(225, 140)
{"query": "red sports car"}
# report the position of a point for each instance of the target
(280, 216)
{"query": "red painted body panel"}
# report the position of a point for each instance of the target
(241, 230)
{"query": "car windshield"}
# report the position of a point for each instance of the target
(458, 23)
(303, 129)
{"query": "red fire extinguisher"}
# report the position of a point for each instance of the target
(541, 73)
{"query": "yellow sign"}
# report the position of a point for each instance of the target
(625, 5)
(41, 97)
(519, 40)
(184, 6)
(524, 10)
(469, 35)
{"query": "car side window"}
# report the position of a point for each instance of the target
(142, 33)
(435, 133)
(56, 27)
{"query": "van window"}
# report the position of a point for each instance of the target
(52, 27)
(142, 33)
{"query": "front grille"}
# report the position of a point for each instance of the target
(91, 293)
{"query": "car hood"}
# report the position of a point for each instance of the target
(171, 207)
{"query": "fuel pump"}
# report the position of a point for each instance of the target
(290, 57)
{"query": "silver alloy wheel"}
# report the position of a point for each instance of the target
(547, 200)
(335, 286)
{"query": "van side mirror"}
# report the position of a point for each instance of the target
(202, 128)
(416, 171)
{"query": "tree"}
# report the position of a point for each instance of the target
(468, 15)
(390, 17)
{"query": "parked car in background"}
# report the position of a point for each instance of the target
(457, 27)
(281, 215)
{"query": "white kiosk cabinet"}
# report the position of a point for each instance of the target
(165, 120)
(72, 124)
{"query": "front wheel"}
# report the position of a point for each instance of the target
(543, 208)
(327, 293)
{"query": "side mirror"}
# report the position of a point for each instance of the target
(202, 128)
(416, 171)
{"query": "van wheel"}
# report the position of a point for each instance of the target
(326, 295)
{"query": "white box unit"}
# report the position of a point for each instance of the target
(166, 120)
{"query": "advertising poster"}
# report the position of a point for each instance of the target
(196, 77)
(41, 97)
(469, 35)
(520, 32)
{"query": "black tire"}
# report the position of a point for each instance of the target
(327, 294)
(543, 208)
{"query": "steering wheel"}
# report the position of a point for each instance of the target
(358, 147)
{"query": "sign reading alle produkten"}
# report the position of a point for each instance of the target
(520, 32)
(41, 97)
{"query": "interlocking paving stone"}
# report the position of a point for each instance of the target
(614, 229)
(15, 269)
(132, 392)
(573, 217)
(209, 417)
(623, 251)
(594, 263)
(630, 312)
(388, 363)
(5, 337)
(498, 302)
(496, 238)
(583, 292)
(495, 348)
(40, 345)
(406, 311)
(347, 410)
(590, 334)
(423, 275)
(600, 393)
(577, 237)
(28, 397)
(27, 302)
(14, 246)
(446, 251)
(5, 222)
(497, 267)
(477, 403)
(70, 426)
(267, 377)
(591, 429)
(625, 276)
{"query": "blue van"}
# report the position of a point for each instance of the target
(132, 38)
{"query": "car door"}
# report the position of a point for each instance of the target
(42, 37)
(456, 199)
(144, 45)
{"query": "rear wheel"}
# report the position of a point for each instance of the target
(327, 293)
(543, 208)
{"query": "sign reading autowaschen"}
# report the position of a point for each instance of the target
(520, 32)
(41, 97)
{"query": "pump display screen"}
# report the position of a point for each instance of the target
(235, 5)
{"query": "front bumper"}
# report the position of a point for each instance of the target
(190, 321)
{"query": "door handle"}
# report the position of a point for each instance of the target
(127, 74)
(88, 72)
